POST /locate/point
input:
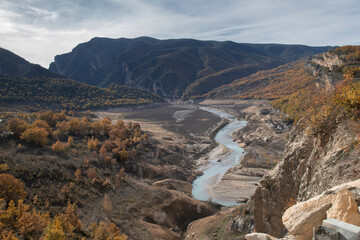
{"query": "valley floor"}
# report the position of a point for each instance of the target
(189, 130)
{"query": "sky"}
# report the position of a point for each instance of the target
(38, 30)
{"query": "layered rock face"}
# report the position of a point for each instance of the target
(312, 164)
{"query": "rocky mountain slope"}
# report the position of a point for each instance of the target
(322, 150)
(268, 84)
(172, 68)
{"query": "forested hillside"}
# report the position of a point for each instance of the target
(270, 84)
(24, 83)
(69, 94)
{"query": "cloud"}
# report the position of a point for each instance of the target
(40, 29)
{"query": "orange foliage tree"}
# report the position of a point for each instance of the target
(11, 188)
(36, 135)
(17, 126)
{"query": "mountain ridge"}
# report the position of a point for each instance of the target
(173, 68)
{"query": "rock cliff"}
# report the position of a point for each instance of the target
(313, 162)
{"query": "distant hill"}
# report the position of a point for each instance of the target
(174, 69)
(24, 83)
(13, 65)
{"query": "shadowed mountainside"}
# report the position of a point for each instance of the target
(24, 83)
(172, 68)
(16, 66)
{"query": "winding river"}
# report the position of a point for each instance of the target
(215, 169)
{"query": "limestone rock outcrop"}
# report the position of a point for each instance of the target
(259, 236)
(344, 208)
(338, 203)
(311, 165)
(301, 218)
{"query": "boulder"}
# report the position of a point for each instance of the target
(259, 236)
(301, 218)
(344, 208)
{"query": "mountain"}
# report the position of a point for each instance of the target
(24, 83)
(179, 68)
(16, 66)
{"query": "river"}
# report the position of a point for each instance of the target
(215, 170)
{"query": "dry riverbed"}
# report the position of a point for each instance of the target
(263, 139)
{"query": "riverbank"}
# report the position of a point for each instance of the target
(263, 139)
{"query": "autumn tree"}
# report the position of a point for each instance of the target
(71, 217)
(38, 136)
(77, 175)
(42, 124)
(70, 142)
(84, 126)
(93, 144)
(11, 188)
(74, 126)
(54, 231)
(17, 126)
(106, 231)
(59, 147)
(48, 116)
(32, 224)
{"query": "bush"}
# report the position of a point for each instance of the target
(49, 117)
(42, 124)
(36, 135)
(74, 126)
(107, 231)
(93, 144)
(11, 188)
(59, 147)
(17, 126)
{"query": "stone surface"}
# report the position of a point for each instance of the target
(311, 165)
(344, 208)
(337, 202)
(302, 226)
(259, 236)
(346, 230)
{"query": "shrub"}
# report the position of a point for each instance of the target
(17, 126)
(48, 117)
(59, 147)
(107, 231)
(84, 126)
(32, 224)
(93, 144)
(70, 142)
(97, 128)
(36, 135)
(54, 231)
(4, 167)
(42, 124)
(91, 173)
(74, 126)
(11, 188)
